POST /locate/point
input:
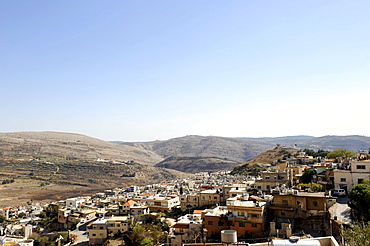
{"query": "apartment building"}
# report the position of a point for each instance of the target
(75, 202)
(189, 200)
(246, 216)
(98, 232)
(162, 203)
(138, 209)
(303, 210)
(100, 229)
(346, 176)
(187, 229)
(215, 220)
(117, 224)
(209, 197)
(272, 179)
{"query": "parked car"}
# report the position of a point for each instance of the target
(338, 192)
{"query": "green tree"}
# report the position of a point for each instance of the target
(340, 153)
(313, 186)
(357, 235)
(359, 200)
(21, 215)
(143, 234)
(307, 176)
(146, 242)
(317, 153)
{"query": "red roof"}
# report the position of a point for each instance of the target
(129, 203)
(180, 226)
(197, 212)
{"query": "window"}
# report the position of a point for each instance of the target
(343, 179)
(259, 187)
(210, 222)
(215, 197)
(240, 213)
(254, 225)
(285, 202)
(267, 177)
(282, 213)
(254, 215)
(315, 203)
(94, 235)
(361, 167)
(241, 224)
(267, 187)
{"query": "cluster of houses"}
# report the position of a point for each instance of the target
(256, 208)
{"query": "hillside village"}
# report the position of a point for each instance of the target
(257, 208)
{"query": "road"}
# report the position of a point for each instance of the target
(341, 210)
(82, 234)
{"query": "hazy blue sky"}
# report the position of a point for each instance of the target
(147, 70)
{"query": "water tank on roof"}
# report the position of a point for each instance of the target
(295, 241)
(228, 236)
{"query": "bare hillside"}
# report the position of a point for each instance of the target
(235, 149)
(72, 146)
(197, 164)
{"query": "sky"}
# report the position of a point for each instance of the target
(154, 70)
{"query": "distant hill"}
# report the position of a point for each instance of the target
(188, 154)
(72, 145)
(351, 142)
(74, 162)
(235, 149)
(197, 164)
(81, 163)
(289, 141)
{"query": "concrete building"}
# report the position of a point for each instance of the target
(215, 220)
(247, 216)
(187, 229)
(303, 210)
(117, 224)
(98, 232)
(209, 197)
(345, 177)
(272, 179)
(162, 203)
(189, 200)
